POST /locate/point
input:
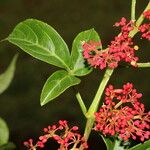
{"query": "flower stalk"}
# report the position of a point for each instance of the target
(81, 103)
(143, 65)
(94, 106)
(139, 21)
(133, 7)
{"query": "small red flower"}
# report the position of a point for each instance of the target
(120, 49)
(66, 137)
(123, 114)
(147, 14)
(145, 28)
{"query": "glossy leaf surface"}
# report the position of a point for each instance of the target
(42, 42)
(56, 84)
(78, 62)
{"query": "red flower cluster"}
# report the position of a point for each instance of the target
(145, 28)
(123, 115)
(67, 139)
(121, 49)
(147, 14)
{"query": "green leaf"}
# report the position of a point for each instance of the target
(4, 132)
(78, 62)
(8, 146)
(7, 76)
(56, 84)
(42, 42)
(109, 143)
(112, 144)
(142, 146)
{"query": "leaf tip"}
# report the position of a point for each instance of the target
(42, 102)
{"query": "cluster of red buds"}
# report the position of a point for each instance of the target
(122, 114)
(67, 138)
(120, 49)
(147, 14)
(145, 28)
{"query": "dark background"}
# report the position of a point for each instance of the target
(20, 105)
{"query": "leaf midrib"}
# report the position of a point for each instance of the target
(55, 87)
(39, 46)
(78, 59)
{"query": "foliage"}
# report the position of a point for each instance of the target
(122, 123)
(7, 76)
(5, 80)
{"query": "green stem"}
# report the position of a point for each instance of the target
(140, 65)
(139, 21)
(81, 103)
(118, 104)
(141, 18)
(94, 106)
(133, 6)
(99, 92)
(88, 128)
